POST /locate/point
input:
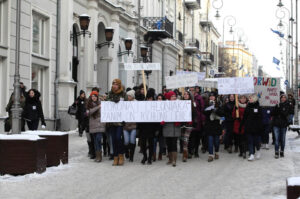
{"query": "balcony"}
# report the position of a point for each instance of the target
(191, 46)
(193, 4)
(207, 58)
(158, 28)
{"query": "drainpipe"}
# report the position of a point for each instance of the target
(183, 34)
(163, 67)
(56, 114)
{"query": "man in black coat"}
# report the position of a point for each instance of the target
(80, 114)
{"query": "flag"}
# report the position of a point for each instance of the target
(276, 61)
(242, 66)
(277, 32)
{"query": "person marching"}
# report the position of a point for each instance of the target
(212, 127)
(228, 108)
(80, 102)
(171, 132)
(240, 134)
(280, 123)
(130, 131)
(96, 127)
(116, 95)
(253, 126)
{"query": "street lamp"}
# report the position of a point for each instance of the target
(280, 4)
(128, 45)
(231, 22)
(109, 34)
(84, 22)
(217, 7)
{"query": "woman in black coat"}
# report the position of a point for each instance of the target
(33, 111)
(81, 103)
(253, 125)
(280, 123)
(228, 108)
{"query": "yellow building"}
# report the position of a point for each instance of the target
(235, 60)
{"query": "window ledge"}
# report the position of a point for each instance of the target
(40, 61)
(3, 47)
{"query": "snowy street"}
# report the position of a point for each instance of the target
(228, 177)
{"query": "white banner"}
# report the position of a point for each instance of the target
(208, 84)
(268, 90)
(235, 85)
(180, 81)
(146, 111)
(142, 66)
(201, 75)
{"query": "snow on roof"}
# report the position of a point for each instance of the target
(20, 137)
(49, 133)
(293, 181)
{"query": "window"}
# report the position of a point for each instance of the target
(37, 78)
(38, 33)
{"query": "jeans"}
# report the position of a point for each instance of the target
(194, 141)
(33, 125)
(213, 141)
(253, 141)
(116, 133)
(129, 136)
(279, 137)
(97, 141)
(290, 118)
(265, 136)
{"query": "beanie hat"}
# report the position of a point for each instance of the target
(169, 94)
(131, 93)
(94, 93)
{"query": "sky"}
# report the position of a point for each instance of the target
(256, 18)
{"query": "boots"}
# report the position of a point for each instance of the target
(216, 156)
(91, 150)
(131, 152)
(154, 157)
(281, 154)
(170, 158)
(184, 156)
(98, 156)
(127, 151)
(236, 149)
(229, 149)
(144, 159)
(174, 159)
(276, 155)
(160, 156)
(116, 161)
(121, 160)
(210, 158)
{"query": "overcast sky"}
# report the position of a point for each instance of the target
(256, 17)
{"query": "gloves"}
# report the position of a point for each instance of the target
(162, 123)
(177, 124)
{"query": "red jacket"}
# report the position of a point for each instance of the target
(237, 122)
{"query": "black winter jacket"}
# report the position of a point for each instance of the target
(253, 119)
(228, 108)
(280, 115)
(33, 109)
(212, 124)
(81, 108)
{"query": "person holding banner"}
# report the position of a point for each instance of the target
(130, 131)
(212, 127)
(252, 123)
(280, 123)
(171, 132)
(117, 94)
(96, 127)
(240, 134)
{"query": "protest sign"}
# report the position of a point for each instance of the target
(207, 83)
(235, 85)
(180, 81)
(201, 75)
(142, 66)
(146, 111)
(268, 90)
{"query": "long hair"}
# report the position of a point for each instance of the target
(91, 104)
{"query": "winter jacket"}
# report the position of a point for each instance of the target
(81, 108)
(212, 125)
(280, 115)
(95, 124)
(228, 108)
(237, 121)
(148, 130)
(292, 103)
(197, 111)
(252, 120)
(113, 97)
(266, 112)
(33, 109)
(171, 129)
(10, 105)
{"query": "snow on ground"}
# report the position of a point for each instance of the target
(230, 177)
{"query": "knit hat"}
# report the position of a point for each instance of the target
(131, 93)
(169, 94)
(94, 93)
(283, 95)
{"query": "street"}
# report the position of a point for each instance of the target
(228, 177)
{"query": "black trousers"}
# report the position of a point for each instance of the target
(171, 144)
(147, 143)
(33, 125)
(194, 142)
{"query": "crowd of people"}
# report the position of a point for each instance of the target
(238, 122)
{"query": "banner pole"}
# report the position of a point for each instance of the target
(144, 83)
